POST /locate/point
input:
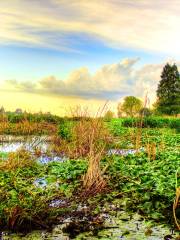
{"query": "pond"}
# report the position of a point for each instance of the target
(122, 226)
(12, 144)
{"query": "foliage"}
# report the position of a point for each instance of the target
(32, 118)
(141, 181)
(144, 183)
(65, 130)
(131, 106)
(26, 204)
(108, 116)
(168, 91)
(114, 126)
(152, 122)
(19, 159)
(175, 124)
(145, 112)
(27, 128)
(69, 170)
(119, 110)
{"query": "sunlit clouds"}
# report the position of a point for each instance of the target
(110, 82)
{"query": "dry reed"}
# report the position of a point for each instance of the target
(19, 159)
(176, 204)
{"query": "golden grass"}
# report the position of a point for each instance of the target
(89, 140)
(27, 128)
(151, 150)
(19, 159)
(176, 204)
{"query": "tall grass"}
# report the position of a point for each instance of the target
(27, 128)
(93, 180)
(176, 204)
(89, 139)
(19, 159)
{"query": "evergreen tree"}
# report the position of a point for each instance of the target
(168, 91)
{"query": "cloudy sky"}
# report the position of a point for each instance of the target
(60, 53)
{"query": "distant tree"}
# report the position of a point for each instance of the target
(168, 91)
(131, 106)
(19, 111)
(119, 110)
(108, 115)
(145, 112)
(3, 116)
(2, 110)
(155, 106)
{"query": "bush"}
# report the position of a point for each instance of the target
(15, 118)
(108, 116)
(156, 122)
(175, 124)
(35, 118)
(65, 130)
(152, 122)
(20, 159)
(129, 122)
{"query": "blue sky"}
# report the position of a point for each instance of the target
(84, 51)
(32, 63)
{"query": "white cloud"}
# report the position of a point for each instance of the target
(148, 25)
(110, 82)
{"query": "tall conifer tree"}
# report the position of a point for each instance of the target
(168, 91)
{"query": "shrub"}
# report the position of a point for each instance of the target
(175, 123)
(108, 116)
(130, 122)
(152, 122)
(65, 130)
(34, 118)
(19, 159)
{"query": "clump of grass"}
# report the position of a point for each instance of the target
(89, 139)
(151, 150)
(26, 127)
(19, 159)
(77, 138)
(93, 180)
(176, 206)
(89, 136)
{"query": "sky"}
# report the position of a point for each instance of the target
(57, 54)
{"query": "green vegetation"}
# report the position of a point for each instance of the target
(27, 128)
(168, 91)
(27, 189)
(28, 123)
(143, 181)
(12, 117)
(108, 116)
(146, 186)
(148, 122)
(65, 130)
